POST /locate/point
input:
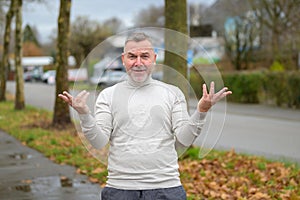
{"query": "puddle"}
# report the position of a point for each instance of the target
(23, 188)
(20, 156)
(49, 184)
(65, 182)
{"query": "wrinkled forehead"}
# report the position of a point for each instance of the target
(142, 46)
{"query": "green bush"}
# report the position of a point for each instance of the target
(294, 89)
(282, 88)
(246, 86)
(267, 87)
(276, 88)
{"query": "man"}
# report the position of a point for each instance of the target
(144, 121)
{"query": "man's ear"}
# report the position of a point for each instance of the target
(122, 57)
(155, 55)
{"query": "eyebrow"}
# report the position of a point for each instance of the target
(142, 54)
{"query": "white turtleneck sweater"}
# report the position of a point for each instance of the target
(142, 123)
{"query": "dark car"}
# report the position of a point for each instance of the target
(32, 75)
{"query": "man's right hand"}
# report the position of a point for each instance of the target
(78, 102)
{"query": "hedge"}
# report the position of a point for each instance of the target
(264, 87)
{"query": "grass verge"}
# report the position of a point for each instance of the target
(220, 175)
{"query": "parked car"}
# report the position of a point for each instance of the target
(77, 74)
(49, 77)
(28, 76)
(111, 77)
(32, 74)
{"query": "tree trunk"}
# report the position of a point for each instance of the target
(20, 100)
(275, 45)
(176, 42)
(5, 62)
(61, 115)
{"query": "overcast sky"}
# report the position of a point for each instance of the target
(44, 16)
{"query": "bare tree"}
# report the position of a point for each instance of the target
(151, 16)
(86, 34)
(217, 13)
(241, 36)
(20, 99)
(5, 60)
(281, 18)
(61, 115)
(113, 25)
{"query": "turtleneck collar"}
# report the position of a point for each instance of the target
(133, 83)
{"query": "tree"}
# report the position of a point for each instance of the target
(113, 25)
(5, 60)
(20, 99)
(151, 16)
(176, 44)
(30, 36)
(86, 34)
(217, 13)
(241, 36)
(281, 19)
(61, 115)
(31, 45)
(3, 4)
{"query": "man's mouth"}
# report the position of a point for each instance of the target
(139, 69)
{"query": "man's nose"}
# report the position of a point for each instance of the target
(138, 61)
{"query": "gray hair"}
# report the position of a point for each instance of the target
(138, 37)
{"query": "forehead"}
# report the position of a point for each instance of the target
(141, 46)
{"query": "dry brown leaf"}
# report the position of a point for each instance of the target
(97, 170)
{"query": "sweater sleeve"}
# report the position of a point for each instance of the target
(97, 129)
(186, 128)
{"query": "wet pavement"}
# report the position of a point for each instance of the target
(27, 174)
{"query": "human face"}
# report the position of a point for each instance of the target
(138, 59)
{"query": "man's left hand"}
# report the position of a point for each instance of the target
(209, 99)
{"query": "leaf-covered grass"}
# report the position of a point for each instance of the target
(220, 175)
(228, 175)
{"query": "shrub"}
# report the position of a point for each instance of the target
(246, 86)
(282, 88)
(277, 67)
(294, 89)
(267, 87)
(276, 88)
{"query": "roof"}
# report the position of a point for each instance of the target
(37, 61)
(41, 61)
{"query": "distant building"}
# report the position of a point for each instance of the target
(208, 50)
(34, 66)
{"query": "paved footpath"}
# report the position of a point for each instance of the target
(26, 174)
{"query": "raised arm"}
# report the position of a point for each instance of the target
(78, 102)
(209, 99)
(188, 129)
(96, 132)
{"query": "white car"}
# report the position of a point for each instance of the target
(49, 77)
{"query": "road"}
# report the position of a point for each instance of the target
(253, 129)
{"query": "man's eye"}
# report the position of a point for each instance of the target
(145, 56)
(132, 57)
